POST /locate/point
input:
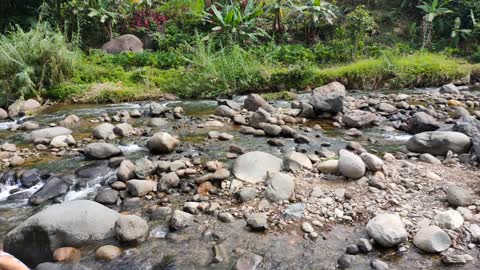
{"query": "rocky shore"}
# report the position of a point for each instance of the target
(314, 191)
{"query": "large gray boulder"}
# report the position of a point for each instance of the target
(359, 119)
(104, 131)
(328, 98)
(439, 143)
(47, 133)
(432, 239)
(421, 122)
(53, 188)
(253, 102)
(252, 167)
(124, 43)
(101, 150)
(387, 230)
(162, 143)
(70, 224)
(449, 89)
(258, 117)
(350, 165)
(280, 186)
(467, 125)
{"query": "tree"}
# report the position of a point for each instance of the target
(432, 10)
(359, 23)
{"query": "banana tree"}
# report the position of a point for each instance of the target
(432, 10)
(235, 23)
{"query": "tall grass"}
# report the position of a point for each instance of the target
(32, 61)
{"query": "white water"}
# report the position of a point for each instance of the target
(5, 192)
(130, 148)
(91, 187)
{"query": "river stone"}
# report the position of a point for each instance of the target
(123, 130)
(180, 220)
(350, 165)
(66, 254)
(101, 151)
(438, 143)
(258, 117)
(280, 186)
(3, 114)
(168, 181)
(467, 125)
(359, 119)
(246, 194)
(270, 130)
(421, 122)
(53, 188)
(257, 222)
(72, 224)
(130, 228)
(9, 147)
(162, 143)
(425, 157)
(253, 102)
(104, 131)
(157, 122)
(123, 43)
(296, 161)
(432, 239)
(387, 230)
(328, 98)
(450, 219)
(373, 162)
(225, 111)
(62, 141)
(449, 89)
(93, 170)
(126, 171)
(143, 168)
(28, 107)
(47, 133)
(29, 178)
(107, 196)
(61, 266)
(388, 108)
(140, 188)
(458, 196)
(252, 167)
(70, 121)
(248, 261)
(230, 103)
(328, 166)
(107, 253)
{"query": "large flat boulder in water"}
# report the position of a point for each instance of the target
(328, 98)
(70, 224)
(252, 167)
(439, 143)
(47, 133)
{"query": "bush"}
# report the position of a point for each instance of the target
(130, 60)
(33, 61)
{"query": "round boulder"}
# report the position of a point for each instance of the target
(252, 167)
(162, 143)
(350, 165)
(130, 228)
(387, 230)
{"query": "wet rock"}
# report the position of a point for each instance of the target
(421, 122)
(107, 196)
(229, 103)
(258, 117)
(280, 186)
(168, 181)
(93, 170)
(253, 102)
(450, 219)
(432, 239)
(252, 167)
(467, 125)
(248, 261)
(29, 125)
(160, 213)
(47, 133)
(70, 121)
(123, 43)
(257, 222)
(107, 253)
(20, 195)
(53, 188)
(104, 131)
(129, 204)
(28, 107)
(123, 130)
(364, 245)
(117, 185)
(143, 168)
(140, 188)
(350, 165)
(162, 143)
(328, 98)
(62, 141)
(459, 112)
(180, 220)
(271, 130)
(130, 228)
(458, 196)
(373, 162)
(225, 136)
(439, 143)
(246, 194)
(66, 254)
(296, 161)
(126, 171)
(157, 122)
(387, 230)
(302, 139)
(359, 119)
(29, 178)
(346, 261)
(101, 151)
(449, 89)
(225, 111)
(74, 223)
(430, 159)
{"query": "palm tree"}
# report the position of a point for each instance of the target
(432, 10)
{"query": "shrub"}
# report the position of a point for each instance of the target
(33, 61)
